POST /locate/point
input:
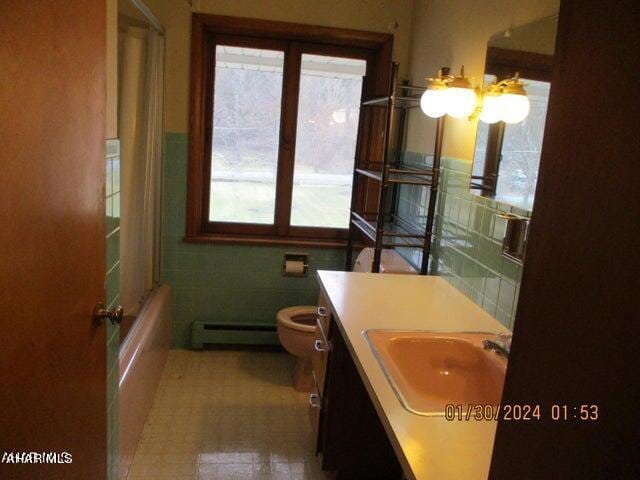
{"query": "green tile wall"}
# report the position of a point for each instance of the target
(467, 240)
(112, 292)
(234, 284)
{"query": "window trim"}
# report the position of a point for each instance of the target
(209, 30)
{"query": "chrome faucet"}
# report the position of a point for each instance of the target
(501, 345)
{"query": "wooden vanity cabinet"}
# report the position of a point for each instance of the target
(351, 440)
(319, 361)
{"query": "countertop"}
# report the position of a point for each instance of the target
(429, 448)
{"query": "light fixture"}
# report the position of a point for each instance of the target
(515, 103)
(462, 97)
(434, 100)
(505, 101)
(491, 108)
(448, 94)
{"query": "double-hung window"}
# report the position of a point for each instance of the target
(275, 116)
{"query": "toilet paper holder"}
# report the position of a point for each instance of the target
(295, 264)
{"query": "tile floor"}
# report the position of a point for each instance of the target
(227, 415)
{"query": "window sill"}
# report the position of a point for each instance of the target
(266, 241)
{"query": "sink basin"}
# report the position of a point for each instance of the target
(429, 370)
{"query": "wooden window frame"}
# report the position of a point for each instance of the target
(295, 40)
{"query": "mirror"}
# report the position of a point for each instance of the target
(507, 155)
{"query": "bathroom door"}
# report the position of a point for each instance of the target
(577, 326)
(52, 239)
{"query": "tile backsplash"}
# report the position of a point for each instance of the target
(112, 295)
(467, 240)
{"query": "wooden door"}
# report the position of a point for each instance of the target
(52, 236)
(577, 324)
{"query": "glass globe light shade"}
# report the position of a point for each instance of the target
(491, 109)
(434, 102)
(515, 107)
(460, 102)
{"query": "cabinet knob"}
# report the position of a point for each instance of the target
(314, 400)
(321, 346)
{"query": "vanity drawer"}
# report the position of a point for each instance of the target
(321, 351)
(324, 303)
(315, 410)
(322, 346)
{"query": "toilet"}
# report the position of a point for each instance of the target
(297, 325)
(297, 333)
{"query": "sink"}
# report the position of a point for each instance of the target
(429, 370)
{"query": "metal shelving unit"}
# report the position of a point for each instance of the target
(387, 229)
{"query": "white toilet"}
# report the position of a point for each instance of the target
(297, 325)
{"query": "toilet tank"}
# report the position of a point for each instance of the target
(390, 262)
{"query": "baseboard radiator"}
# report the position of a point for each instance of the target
(203, 333)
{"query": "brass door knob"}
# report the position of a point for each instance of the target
(114, 314)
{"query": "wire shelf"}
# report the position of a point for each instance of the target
(404, 176)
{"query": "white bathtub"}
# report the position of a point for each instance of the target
(142, 358)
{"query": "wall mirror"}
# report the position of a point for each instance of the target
(507, 155)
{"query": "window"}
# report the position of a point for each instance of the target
(246, 129)
(507, 156)
(274, 125)
(328, 114)
(522, 148)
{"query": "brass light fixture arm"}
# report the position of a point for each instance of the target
(495, 88)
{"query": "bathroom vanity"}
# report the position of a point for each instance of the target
(364, 428)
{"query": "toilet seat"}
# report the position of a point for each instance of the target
(286, 317)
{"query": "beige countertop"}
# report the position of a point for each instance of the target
(429, 448)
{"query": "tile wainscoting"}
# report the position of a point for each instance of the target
(467, 238)
(231, 284)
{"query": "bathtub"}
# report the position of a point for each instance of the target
(142, 358)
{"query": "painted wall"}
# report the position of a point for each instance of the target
(466, 248)
(373, 15)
